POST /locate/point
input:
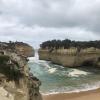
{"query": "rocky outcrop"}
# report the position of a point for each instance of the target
(71, 57)
(16, 81)
(18, 47)
(24, 49)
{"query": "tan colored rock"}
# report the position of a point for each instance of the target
(70, 57)
(15, 80)
(25, 50)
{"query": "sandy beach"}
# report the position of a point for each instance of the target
(87, 95)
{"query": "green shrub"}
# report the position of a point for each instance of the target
(4, 59)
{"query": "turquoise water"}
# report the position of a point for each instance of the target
(57, 78)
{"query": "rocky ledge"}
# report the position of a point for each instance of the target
(16, 81)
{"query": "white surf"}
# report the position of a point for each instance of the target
(77, 73)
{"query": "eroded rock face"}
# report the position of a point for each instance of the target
(71, 57)
(16, 82)
(24, 49)
(4, 95)
(18, 47)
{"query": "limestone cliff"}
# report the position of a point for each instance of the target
(24, 49)
(16, 81)
(18, 47)
(71, 57)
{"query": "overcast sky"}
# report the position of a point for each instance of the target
(34, 21)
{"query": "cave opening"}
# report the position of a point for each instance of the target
(88, 63)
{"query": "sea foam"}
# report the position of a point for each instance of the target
(86, 87)
(52, 70)
(77, 73)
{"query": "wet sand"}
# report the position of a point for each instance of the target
(87, 95)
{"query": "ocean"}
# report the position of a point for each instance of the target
(59, 79)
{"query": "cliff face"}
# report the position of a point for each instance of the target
(18, 47)
(58, 58)
(16, 82)
(72, 57)
(24, 49)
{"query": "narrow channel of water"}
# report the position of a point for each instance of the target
(57, 78)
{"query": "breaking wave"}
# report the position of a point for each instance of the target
(84, 87)
(77, 73)
(58, 79)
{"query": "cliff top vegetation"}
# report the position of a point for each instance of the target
(69, 43)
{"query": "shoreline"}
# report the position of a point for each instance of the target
(82, 95)
(74, 91)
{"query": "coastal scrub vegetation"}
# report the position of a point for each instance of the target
(11, 70)
(4, 59)
(68, 43)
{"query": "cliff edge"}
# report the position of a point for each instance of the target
(18, 47)
(71, 53)
(16, 81)
(72, 57)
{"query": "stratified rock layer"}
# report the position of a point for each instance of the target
(71, 57)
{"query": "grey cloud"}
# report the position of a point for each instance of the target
(54, 13)
(35, 21)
